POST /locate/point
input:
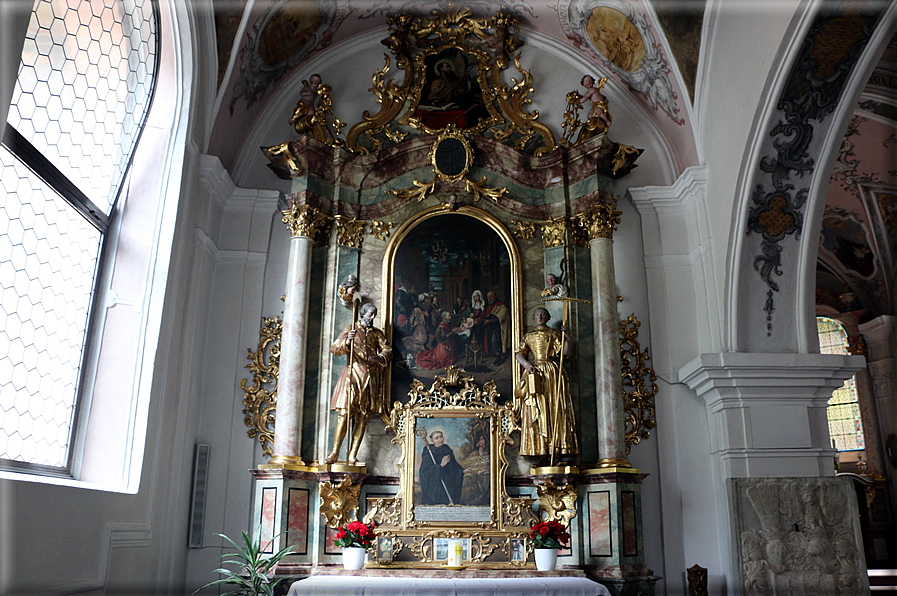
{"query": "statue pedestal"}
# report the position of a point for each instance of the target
(614, 555)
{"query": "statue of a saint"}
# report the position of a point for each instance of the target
(360, 391)
(547, 421)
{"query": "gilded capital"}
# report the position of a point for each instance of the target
(600, 221)
(554, 232)
(304, 220)
(349, 231)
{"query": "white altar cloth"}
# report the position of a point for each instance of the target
(335, 585)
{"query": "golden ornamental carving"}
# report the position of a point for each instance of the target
(622, 156)
(600, 221)
(304, 220)
(525, 229)
(260, 397)
(639, 395)
(579, 233)
(283, 161)
(557, 503)
(418, 192)
(598, 119)
(385, 512)
(339, 503)
(479, 189)
(452, 65)
(554, 232)
(349, 231)
(519, 511)
(380, 229)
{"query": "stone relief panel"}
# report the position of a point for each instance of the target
(798, 536)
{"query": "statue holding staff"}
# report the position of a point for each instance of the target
(360, 391)
(542, 398)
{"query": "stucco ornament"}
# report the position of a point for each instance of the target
(650, 76)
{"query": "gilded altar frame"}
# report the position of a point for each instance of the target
(496, 535)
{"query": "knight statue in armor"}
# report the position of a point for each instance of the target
(542, 398)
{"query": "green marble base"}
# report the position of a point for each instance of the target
(642, 585)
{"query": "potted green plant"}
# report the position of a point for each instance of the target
(547, 538)
(252, 576)
(355, 539)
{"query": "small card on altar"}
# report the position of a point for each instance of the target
(384, 549)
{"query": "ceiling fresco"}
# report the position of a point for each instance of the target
(858, 240)
(621, 40)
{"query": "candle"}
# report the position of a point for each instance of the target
(455, 553)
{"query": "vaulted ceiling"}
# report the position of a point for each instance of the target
(651, 54)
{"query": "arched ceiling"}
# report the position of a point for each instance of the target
(267, 47)
(858, 241)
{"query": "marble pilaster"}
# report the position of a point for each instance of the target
(611, 438)
(303, 221)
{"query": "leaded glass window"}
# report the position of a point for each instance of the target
(844, 422)
(82, 94)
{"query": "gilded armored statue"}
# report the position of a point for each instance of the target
(360, 391)
(547, 420)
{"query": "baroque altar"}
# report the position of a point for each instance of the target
(450, 364)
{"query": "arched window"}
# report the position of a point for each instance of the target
(844, 423)
(83, 91)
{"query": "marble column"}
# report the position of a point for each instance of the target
(303, 222)
(600, 222)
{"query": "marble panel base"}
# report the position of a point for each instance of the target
(642, 585)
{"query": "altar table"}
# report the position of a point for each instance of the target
(335, 585)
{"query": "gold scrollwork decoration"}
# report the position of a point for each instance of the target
(525, 229)
(639, 395)
(339, 503)
(385, 512)
(479, 189)
(557, 503)
(349, 231)
(621, 157)
(304, 220)
(260, 397)
(418, 192)
(380, 229)
(600, 221)
(481, 546)
(518, 512)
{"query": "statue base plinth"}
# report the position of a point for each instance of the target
(286, 462)
(613, 470)
(553, 470)
(343, 467)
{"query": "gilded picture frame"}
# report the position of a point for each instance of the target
(465, 255)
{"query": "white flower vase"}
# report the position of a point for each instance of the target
(353, 558)
(546, 558)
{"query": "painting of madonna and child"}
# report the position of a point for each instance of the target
(452, 305)
(452, 469)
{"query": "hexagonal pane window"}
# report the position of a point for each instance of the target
(50, 57)
(77, 241)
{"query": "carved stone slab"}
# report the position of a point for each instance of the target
(798, 536)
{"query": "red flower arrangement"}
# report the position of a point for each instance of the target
(355, 535)
(551, 534)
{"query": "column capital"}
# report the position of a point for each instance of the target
(349, 231)
(304, 220)
(600, 221)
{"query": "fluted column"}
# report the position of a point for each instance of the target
(600, 223)
(303, 222)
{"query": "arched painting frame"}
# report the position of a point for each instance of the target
(450, 254)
